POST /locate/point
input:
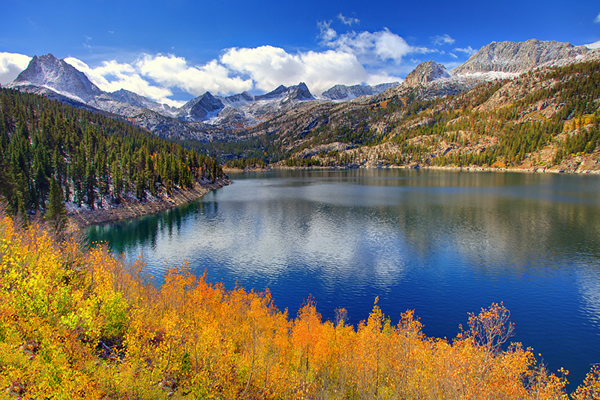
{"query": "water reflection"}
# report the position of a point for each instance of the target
(443, 243)
(368, 223)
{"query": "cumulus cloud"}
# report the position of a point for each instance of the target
(112, 76)
(176, 72)
(270, 66)
(468, 50)
(440, 40)
(348, 21)
(597, 20)
(11, 65)
(372, 46)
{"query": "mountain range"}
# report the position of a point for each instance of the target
(211, 117)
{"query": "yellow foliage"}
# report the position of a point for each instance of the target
(77, 324)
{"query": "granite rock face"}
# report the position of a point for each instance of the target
(57, 75)
(520, 57)
(426, 72)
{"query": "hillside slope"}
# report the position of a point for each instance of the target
(544, 119)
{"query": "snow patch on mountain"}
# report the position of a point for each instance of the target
(593, 46)
(56, 75)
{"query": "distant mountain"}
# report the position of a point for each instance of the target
(237, 100)
(50, 73)
(126, 96)
(201, 108)
(242, 110)
(426, 72)
(343, 92)
(521, 57)
(54, 78)
(299, 92)
(58, 80)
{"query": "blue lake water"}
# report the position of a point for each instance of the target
(441, 243)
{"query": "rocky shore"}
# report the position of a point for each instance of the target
(474, 168)
(129, 209)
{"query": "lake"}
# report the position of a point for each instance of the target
(444, 243)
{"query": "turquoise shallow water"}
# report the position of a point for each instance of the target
(441, 243)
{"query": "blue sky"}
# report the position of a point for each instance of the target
(174, 50)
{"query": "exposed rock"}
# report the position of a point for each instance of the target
(59, 76)
(520, 57)
(424, 73)
(200, 108)
(298, 92)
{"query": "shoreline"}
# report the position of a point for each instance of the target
(473, 168)
(134, 209)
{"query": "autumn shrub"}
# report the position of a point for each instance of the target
(84, 324)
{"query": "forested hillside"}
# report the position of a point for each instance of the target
(547, 118)
(51, 152)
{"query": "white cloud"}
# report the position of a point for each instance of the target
(11, 65)
(348, 21)
(468, 50)
(175, 71)
(326, 32)
(112, 76)
(597, 20)
(271, 66)
(442, 39)
(391, 46)
(371, 46)
(378, 78)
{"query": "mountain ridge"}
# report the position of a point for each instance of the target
(212, 117)
(344, 92)
(519, 57)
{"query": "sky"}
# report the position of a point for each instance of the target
(174, 50)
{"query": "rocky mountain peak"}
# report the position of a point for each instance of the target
(298, 92)
(50, 72)
(237, 99)
(520, 57)
(201, 108)
(424, 73)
